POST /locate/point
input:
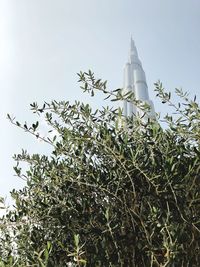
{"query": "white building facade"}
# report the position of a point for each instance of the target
(135, 81)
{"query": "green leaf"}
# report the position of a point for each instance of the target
(76, 240)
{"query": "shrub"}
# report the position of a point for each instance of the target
(114, 191)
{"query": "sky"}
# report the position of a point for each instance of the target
(44, 43)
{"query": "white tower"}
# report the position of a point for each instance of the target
(135, 81)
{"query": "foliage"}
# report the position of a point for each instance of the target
(115, 191)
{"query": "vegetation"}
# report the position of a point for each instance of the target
(115, 191)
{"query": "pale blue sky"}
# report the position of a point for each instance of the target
(44, 43)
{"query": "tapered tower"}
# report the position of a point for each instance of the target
(135, 81)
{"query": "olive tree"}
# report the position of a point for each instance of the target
(115, 191)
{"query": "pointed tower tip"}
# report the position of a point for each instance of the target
(133, 51)
(132, 43)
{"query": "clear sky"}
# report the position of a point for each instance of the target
(44, 43)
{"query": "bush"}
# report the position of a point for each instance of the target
(115, 191)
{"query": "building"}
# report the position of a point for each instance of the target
(135, 81)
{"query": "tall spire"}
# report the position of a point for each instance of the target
(132, 43)
(135, 81)
(133, 54)
(133, 49)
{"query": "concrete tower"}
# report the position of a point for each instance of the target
(135, 81)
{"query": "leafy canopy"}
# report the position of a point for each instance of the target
(115, 191)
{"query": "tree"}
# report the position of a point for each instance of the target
(115, 191)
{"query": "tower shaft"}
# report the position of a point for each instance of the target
(135, 81)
